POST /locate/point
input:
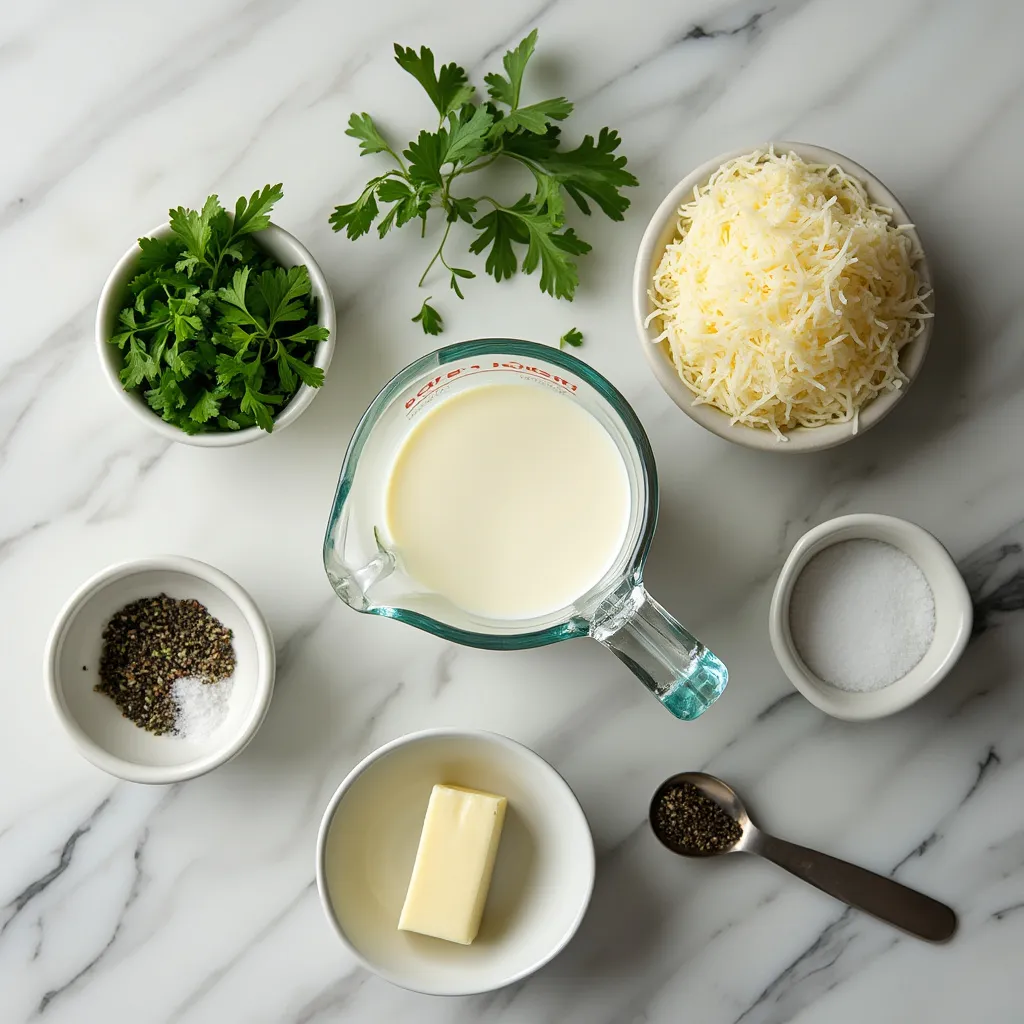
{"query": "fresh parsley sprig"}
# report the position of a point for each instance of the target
(218, 335)
(530, 233)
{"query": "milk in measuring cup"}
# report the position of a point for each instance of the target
(509, 500)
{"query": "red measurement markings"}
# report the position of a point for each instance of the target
(444, 379)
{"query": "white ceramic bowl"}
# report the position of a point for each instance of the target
(662, 229)
(93, 720)
(954, 616)
(289, 252)
(543, 876)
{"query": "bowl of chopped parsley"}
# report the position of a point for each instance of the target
(217, 328)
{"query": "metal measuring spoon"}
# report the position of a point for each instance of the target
(882, 897)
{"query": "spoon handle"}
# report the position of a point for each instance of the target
(885, 899)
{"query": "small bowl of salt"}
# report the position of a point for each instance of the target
(869, 614)
(160, 669)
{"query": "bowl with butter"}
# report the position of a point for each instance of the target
(452, 862)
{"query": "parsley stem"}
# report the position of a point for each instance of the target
(397, 158)
(212, 286)
(213, 273)
(526, 162)
(499, 206)
(433, 259)
(480, 164)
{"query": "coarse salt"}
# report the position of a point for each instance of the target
(202, 707)
(862, 614)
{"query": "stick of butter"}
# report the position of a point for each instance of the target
(454, 862)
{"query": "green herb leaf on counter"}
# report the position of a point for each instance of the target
(529, 233)
(217, 333)
(506, 90)
(571, 337)
(447, 90)
(361, 127)
(429, 318)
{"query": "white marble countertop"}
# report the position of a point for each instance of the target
(196, 903)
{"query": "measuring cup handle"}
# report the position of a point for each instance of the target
(672, 663)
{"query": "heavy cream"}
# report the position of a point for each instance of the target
(510, 500)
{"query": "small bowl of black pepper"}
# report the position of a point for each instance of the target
(160, 669)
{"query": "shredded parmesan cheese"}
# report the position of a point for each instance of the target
(787, 296)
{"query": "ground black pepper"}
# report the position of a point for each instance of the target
(693, 823)
(152, 642)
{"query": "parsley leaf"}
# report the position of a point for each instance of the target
(139, 366)
(468, 136)
(530, 234)
(426, 156)
(312, 333)
(447, 90)
(462, 209)
(393, 190)
(278, 292)
(428, 317)
(258, 406)
(194, 228)
(157, 252)
(550, 249)
(498, 230)
(167, 395)
(547, 249)
(535, 118)
(506, 90)
(458, 272)
(234, 293)
(357, 218)
(205, 407)
(182, 364)
(361, 127)
(571, 337)
(254, 215)
(311, 375)
(215, 334)
(589, 170)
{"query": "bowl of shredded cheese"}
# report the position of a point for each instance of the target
(782, 297)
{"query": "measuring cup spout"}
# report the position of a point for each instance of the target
(672, 663)
(353, 585)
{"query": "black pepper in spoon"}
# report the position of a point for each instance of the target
(693, 822)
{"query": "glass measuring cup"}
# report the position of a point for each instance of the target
(368, 575)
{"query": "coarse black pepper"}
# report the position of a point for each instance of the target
(692, 822)
(151, 643)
